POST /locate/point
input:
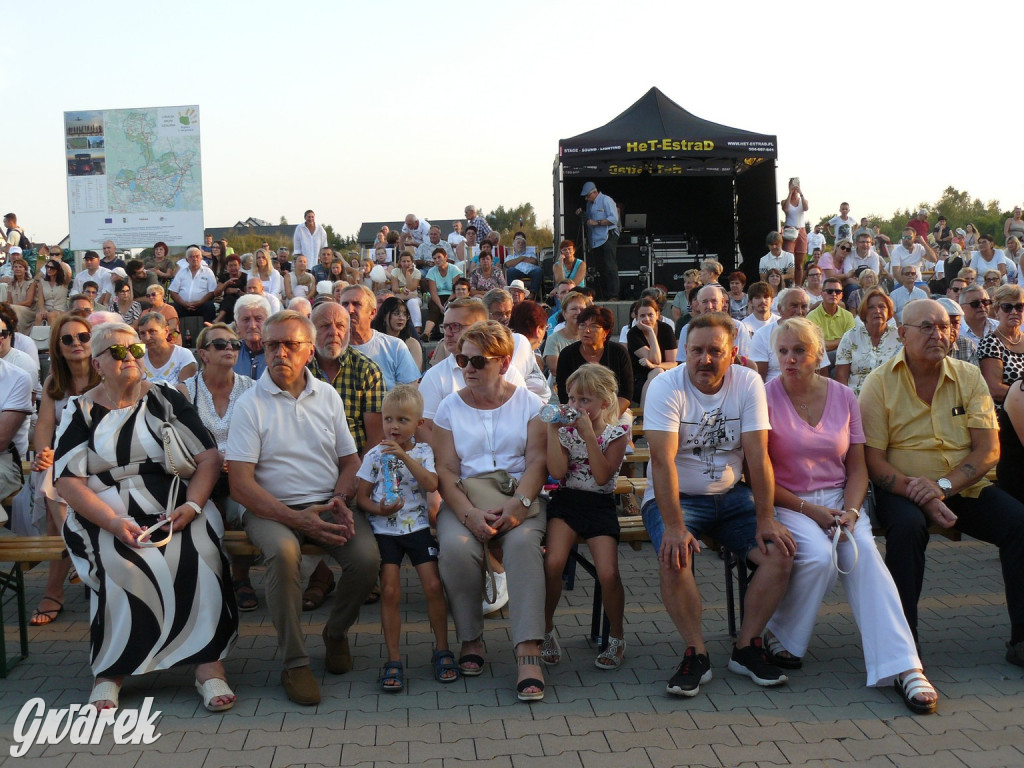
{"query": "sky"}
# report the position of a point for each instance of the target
(368, 111)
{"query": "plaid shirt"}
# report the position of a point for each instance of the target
(965, 350)
(360, 384)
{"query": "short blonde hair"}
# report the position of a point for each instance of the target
(492, 337)
(404, 395)
(1008, 292)
(572, 296)
(805, 331)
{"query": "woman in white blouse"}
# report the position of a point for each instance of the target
(488, 426)
(871, 342)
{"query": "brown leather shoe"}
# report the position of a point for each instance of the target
(300, 685)
(338, 658)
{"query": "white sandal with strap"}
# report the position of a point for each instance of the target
(914, 684)
(550, 651)
(108, 690)
(609, 658)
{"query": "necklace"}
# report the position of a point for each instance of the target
(1011, 342)
(488, 427)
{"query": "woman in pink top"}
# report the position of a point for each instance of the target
(817, 450)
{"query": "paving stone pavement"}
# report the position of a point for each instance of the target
(590, 718)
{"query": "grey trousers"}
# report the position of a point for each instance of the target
(460, 560)
(282, 552)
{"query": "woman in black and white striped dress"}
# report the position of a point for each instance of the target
(152, 607)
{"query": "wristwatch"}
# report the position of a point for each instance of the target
(526, 500)
(945, 485)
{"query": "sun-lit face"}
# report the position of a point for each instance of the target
(400, 421)
(588, 402)
(796, 359)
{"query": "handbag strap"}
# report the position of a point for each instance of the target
(837, 535)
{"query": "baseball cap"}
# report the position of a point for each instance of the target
(588, 188)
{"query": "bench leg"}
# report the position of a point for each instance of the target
(13, 580)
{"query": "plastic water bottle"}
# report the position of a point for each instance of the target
(389, 474)
(558, 414)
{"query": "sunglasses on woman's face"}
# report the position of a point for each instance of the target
(69, 338)
(477, 361)
(120, 351)
(1008, 307)
(222, 344)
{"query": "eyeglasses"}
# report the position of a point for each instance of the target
(833, 291)
(928, 328)
(452, 328)
(1008, 307)
(4, 334)
(979, 303)
(222, 344)
(51, 267)
(68, 338)
(477, 361)
(590, 328)
(273, 347)
(120, 351)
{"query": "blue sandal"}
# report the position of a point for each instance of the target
(444, 661)
(392, 677)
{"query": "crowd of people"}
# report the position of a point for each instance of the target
(784, 419)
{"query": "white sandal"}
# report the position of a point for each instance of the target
(105, 691)
(550, 651)
(213, 688)
(609, 658)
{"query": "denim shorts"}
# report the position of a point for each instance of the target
(728, 518)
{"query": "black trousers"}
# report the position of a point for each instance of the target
(994, 517)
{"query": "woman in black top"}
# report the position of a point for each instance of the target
(596, 325)
(651, 345)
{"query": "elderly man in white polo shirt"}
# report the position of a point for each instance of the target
(293, 466)
(194, 287)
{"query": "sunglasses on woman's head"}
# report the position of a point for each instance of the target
(68, 338)
(120, 351)
(222, 344)
(477, 361)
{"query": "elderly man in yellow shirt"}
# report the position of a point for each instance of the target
(932, 445)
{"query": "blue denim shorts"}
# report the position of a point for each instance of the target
(728, 518)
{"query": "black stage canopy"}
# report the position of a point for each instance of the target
(713, 183)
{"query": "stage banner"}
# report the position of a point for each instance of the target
(134, 177)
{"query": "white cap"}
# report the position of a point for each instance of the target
(517, 285)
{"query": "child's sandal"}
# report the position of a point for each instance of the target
(392, 677)
(444, 662)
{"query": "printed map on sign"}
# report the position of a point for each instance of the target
(152, 160)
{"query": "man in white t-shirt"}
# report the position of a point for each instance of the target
(93, 272)
(456, 236)
(776, 258)
(713, 298)
(15, 408)
(703, 421)
(816, 240)
(388, 352)
(759, 299)
(863, 255)
(293, 466)
(417, 228)
(911, 252)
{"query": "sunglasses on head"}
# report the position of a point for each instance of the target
(120, 351)
(69, 338)
(477, 361)
(1008, 307)
(979, 303)
(222, 344)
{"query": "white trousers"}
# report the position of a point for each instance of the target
(415, 311)
(888, 644)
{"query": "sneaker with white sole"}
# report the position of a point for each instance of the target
(752, 661)
(693, 671)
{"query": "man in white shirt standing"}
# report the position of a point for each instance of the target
(816, 240)
(418, 229)
(309, 236)
(194, 287)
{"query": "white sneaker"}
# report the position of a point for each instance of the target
(488, 607)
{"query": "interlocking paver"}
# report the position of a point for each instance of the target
(825, 716)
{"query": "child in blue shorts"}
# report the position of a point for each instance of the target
(402, 527)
